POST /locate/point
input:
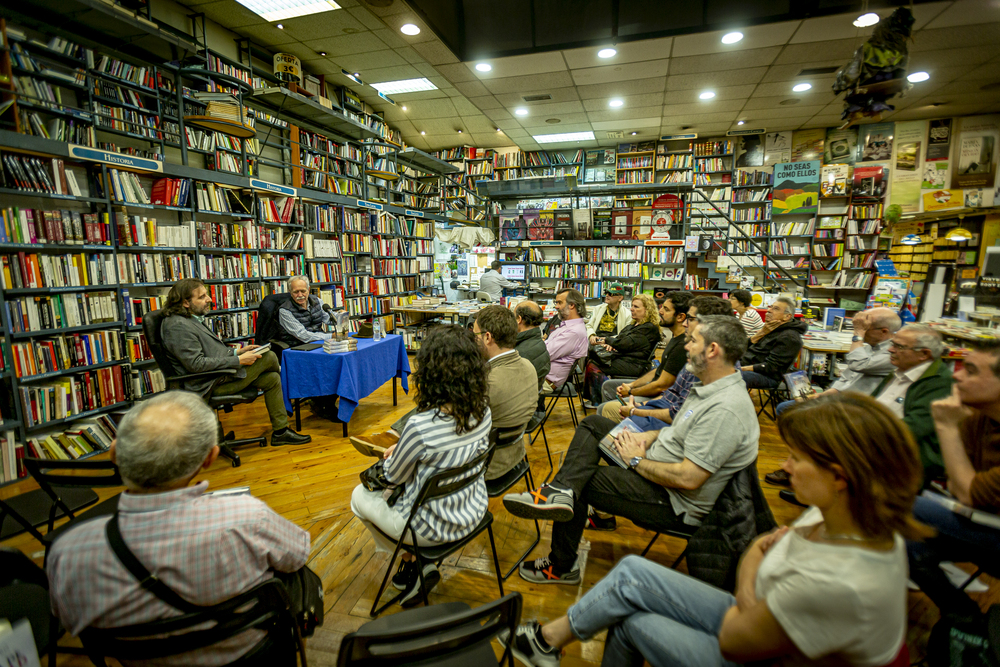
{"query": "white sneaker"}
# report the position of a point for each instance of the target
(527, 646)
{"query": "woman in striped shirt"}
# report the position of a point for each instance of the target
(749, 317)
(450, 428)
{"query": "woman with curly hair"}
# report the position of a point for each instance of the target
(450, 427)
(626, 354)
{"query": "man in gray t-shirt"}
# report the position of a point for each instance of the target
(673, 476)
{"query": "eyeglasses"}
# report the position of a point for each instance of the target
(693, 318)
(900, 346)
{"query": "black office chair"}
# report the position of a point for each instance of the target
(268, 326)
(151, 323)
(440, 634)
(439, 485)
(57, 477)
(645, 369)
(264, 607)
(499, 486)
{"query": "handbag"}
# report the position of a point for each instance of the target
(374, 479)
(958, 641)
(304, 587)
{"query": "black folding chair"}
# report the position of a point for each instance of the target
(499, 486)
(440, 485)
(24, 593)
(440, 634)
(769, 398)
(264, 607)
(645, 369)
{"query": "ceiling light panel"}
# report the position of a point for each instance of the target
(410, 29)
(277, 10)
(566, 136)
(732, 37)
(404, 86)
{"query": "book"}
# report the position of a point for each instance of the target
(607, 443)
(798, 384)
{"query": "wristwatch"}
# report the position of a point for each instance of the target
(856, 339)
(634, 462)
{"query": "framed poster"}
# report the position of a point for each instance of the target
(976, 167)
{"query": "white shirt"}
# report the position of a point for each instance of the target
(894, 393)
(837, 603)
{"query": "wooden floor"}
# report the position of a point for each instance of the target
(311, 485)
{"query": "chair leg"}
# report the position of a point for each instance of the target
(649, 546)
(538, 534)
(968, 581)
(496, 559)
(376, 610)
(677, 562)
(227, 451)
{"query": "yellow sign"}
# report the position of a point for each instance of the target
(287, 67)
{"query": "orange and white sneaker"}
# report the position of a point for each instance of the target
(541, 571)
(548, 502)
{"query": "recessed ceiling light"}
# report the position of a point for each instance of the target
(322, 53)
(410, 29)
(707, 95)
(801, 87)
(422, 133)
(917, 77)
(732, 37)
(607, 53)
(521, 111)
(403, 107)
(484, 67)
(280, 27)
(403, 86)
(460, 132)
(615, 103)
(634, 133)
(499, 130)
(865, 20)
(567, 136)
(740, 122)
(276, 10)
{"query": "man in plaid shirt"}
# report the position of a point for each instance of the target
(207, 549)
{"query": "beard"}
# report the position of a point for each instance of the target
(697, 363)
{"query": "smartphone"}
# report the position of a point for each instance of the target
(262, 349)
(622, 401)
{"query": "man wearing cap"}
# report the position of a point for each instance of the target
(609, 318)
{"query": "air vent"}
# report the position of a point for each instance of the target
(818, 70)
(616, 135)
(552, 121)
(536, 98)
(789, 102)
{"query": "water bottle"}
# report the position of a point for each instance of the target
(376, 329)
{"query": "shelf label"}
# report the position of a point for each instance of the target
(674, 137)
(544, 243)
(369, 204)
(416, 214)
(664, 242)
(740, 133)
(114, 159)
(272, 187)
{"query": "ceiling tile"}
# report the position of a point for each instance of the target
(967, 12)
(497, 115)
(422, 95)
(456, 73)
(960, 57)
(567, 94)
(547, 110)
(264, 33)
(534, 82)
(369, 20)
(724, 61)
(393, 38)
(824, 121)
(822, 89)
(397, 21)
(983, 34)
(435, 53)
(775, 102)
(471, 89)
(839, 49)
(491, 140)
(298, 49)
(626, 124)
(628, 52)
(560, 128)
(920, 113)
(716, 106)
(513, 129)
(690, 96)
(625, 114)
(231, 14)
(344, 45)
(718, 117)
(323, 24)
(564, 118)
(711, 80)
(535, 63)
(439, 125)
(989, 71)
(621, 88)
(781, 112)
(838, 26)
(363, 62)
(648, 99)
(486, 102)
(428, 71)
(410, 55)
(777, 73)
(754, 37)
(477, 123)
(465, 107)
(612, 73)
(424, 109)
(397, 73)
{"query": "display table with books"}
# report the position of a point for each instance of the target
(350, 375)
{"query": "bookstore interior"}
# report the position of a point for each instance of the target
(392, 155)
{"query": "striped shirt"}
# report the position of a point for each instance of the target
(207, 549)
(751, 322)
(427, 446)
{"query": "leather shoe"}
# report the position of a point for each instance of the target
(289, 437)
(789, 497)
(778, 478)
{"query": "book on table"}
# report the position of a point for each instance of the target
(607, 443)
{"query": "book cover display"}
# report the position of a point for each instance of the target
(978, 137)
(602, 224)
(841, 146)
(599, 166)
(777, 147)
(563, 226)
(876, 141)
(668, 211)
(621, 223)
(796, 188)
(869, 181)
(835, 181)
(642, 223)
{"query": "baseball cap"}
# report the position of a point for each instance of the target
(615, 289)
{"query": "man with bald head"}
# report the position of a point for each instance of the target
(206, 548)
(529, 338)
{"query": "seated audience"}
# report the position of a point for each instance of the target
(775, 347)
(192, 346)
(830, 589)
(747, 315)
(302, 318)
(867, 363)
(628, 353)
(920, 378)
(511, 399)
(207, 549)
(673, 315)
(673, 477)
(968, 427)
(660, 412)
(492, 282)
(567, 341)
(530, 344)
(450, 428)
(608, 318)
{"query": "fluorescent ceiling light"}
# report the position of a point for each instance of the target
(707, 95)
(607, 53)
(410, 29)
(484, 67)
(615, 103)
(802, 87)
(566, 136)
(740, 122)
(917, 77)
(276, 10)
(404, 86)
(732, 37)
(865, 20)
(521, 112)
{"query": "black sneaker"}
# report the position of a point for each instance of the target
(597, 522)
(542, 571)
(289, 437)
(413, 596)
(405, 575)
(530, 648)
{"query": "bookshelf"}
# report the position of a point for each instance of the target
(635, 165)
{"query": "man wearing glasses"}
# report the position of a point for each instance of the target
(919, 379)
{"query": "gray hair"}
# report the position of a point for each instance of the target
(789, 304)
(727, 332)
(165, 438)
(295, 279)
(575, 299)
(885, 318)
(926, 338)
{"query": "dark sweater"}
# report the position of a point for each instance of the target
(633, 347)
(773, 354)
(531, 347)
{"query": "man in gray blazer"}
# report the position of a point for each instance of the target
(195, 348)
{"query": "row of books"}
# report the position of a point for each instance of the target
(751, 195)
(170, 192)
(229, 266)
(65, 351)
(278, 266)
(80, 439)
(71, 131)
(233, 325)
(137, 347)
(325, 272)
(32, 271)
(320, 247)
(751, 214)
(31, 174)
(237, 295)
(57, 227)
(125, 187)
(133, 308)
(136, 230)
(58, 311)
(127, 120)
(154, 267)
(147, 381)
(73, 394)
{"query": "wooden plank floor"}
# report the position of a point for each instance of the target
(311, 485)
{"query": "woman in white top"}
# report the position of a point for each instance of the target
(830, 589)
(748, 317)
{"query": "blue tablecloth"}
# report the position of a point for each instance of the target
(350, 375)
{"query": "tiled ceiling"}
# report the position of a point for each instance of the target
(659, 80)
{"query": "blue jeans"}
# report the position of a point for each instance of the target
(757, 380)
(958, 540)
(784, 405)
(653, 613)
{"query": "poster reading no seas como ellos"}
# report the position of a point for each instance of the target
(796, 187)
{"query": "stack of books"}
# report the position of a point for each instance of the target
(335, 346)
(220, 105)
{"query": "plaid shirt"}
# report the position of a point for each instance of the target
(207, 549)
